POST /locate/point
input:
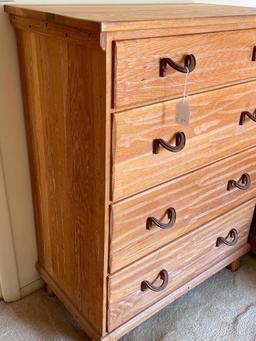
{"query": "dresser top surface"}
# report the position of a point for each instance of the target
(127, 16)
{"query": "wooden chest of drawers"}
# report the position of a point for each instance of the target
(132, 208)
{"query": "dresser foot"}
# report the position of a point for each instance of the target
(49, 291)
(234, 266)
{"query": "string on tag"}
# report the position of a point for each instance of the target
(185, 94)
(183, 110)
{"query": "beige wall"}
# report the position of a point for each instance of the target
(14, 157)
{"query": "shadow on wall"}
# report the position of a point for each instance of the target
(14, 158)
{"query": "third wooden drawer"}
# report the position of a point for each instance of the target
(214, 132)
(177, 264)
(185, 203)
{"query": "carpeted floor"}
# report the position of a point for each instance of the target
(222, 308)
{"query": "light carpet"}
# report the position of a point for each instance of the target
(223, 308)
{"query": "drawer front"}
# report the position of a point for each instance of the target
(182, 260)
(221, 58)
(194, 199)
(214, 132)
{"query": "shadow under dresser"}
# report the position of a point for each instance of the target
(133, 206)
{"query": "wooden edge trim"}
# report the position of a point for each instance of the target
(82, 321)
(202, 22)
(44, 27)
(53, 18)
(138, 319)
(114, 26)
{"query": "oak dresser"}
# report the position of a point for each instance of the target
(142, 189)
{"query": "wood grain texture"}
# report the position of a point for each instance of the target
(183, 259)
(213, 133)
(222, 58)
(196, 197)
(183, 27)
(117, 17)
(64, 97)
(88, 37)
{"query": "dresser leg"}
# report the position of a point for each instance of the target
(49, 291)
(234, 266)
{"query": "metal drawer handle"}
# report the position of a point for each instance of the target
(243, 183)
(189, 65)
(180, 144)
(163, 274)
(172, 219)
(233, 234)
(247, 113)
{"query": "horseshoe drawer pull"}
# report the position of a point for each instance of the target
(163, 274)
(234, 238)
(189, 65)
(243, 183)
(153, 221)
(247, 113)
(180, 144)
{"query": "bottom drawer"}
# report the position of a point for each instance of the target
(141, 284)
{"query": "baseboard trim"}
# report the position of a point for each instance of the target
(31, 287)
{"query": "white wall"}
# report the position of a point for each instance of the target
(246, 3)
(19, 223)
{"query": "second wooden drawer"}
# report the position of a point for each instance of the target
(214, 132)
(195, 198)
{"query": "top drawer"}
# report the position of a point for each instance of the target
(221, 58)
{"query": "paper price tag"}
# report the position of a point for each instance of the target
(183, 112)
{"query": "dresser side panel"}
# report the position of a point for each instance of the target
(64, 90)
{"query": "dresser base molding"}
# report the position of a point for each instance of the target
(54, 288)
(228, 262)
